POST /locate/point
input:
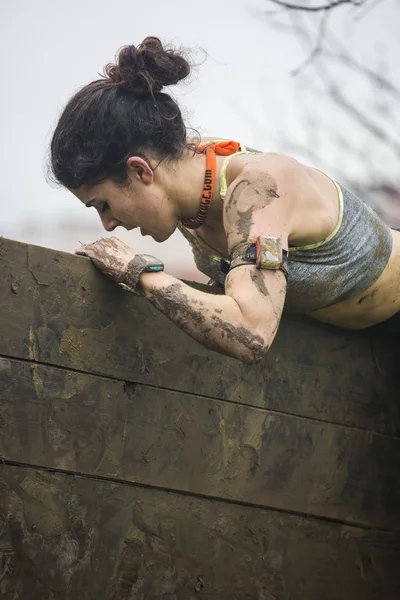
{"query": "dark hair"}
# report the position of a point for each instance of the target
(121, 115)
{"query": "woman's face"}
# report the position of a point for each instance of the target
(143, 203)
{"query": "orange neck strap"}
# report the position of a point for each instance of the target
(222, 148)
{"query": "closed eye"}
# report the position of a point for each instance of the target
(105, 206)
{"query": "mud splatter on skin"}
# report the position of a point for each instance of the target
(176, 305)
(134, 269)
(118, 261)
(228, 285)
(278, 322)
(263, 191)
(107, 255)
(243, 336)
(266, 190)
(258, 279)
(244, 223)
(234, 195)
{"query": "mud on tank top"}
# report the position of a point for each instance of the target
(343, 265)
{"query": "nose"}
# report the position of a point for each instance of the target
(109, 224)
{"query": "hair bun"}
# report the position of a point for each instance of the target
(147, 68)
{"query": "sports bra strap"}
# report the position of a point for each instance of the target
(222, 176)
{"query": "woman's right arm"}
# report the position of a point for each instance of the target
(244, 321)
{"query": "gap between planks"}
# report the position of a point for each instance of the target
(194, 394)
(293, 513)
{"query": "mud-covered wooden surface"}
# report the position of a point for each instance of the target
(65, 537)
(136, 465)
(55, 308)
(91, 424)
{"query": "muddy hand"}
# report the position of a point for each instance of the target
(110, 255)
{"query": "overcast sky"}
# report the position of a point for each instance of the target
(244, 91)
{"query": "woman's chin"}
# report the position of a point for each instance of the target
(146, 232)
(157, 237)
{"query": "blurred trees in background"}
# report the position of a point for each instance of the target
(348, 105)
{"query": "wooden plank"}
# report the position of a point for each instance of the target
(89, 424)
(56, 309)
(64, 537)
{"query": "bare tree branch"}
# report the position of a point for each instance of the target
(345, 57)
(362, 119)
(363, 7)
(323, 7)
(347, 111)
(318, 46)
(381, 133)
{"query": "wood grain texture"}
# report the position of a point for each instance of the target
(59, 542)
(79, 422)
(56, 308)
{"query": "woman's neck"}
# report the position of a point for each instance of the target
(184, 181)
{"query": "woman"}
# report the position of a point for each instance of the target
(277, 234)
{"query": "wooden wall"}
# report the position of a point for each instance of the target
(136, 465)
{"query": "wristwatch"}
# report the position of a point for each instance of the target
(141, 263)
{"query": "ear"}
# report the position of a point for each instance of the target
(139, 169)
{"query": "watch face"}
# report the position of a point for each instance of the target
(150, 263)
(269, 252)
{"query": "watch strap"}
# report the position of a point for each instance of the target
(141, 263)
(265, 253)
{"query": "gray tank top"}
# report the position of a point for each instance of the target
(338, 268)
(345, 264)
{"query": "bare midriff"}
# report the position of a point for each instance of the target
(376, 304)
